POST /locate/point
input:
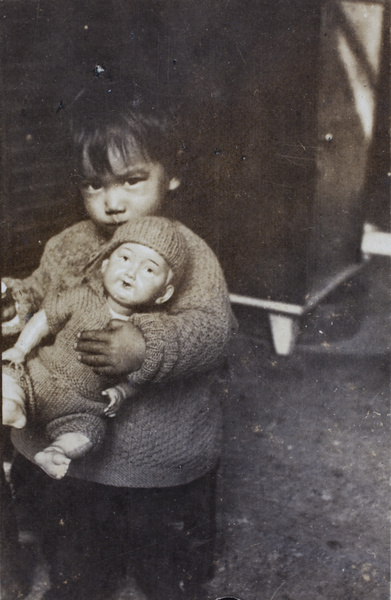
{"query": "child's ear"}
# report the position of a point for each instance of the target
(104, 265)
(174, 184)
(167, 295)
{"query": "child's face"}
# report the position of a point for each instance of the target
(130, 191)
(134, 275)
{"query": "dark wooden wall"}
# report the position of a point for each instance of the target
(244, 73)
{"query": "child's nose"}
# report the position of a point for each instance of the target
(113, 201)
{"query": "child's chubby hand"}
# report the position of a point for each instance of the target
(8, 307)
(14, 355)
(10, 322)
(117, 350)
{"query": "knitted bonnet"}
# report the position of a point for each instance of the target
(158, 233)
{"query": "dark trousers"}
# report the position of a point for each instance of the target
(93, 535)
(16, 562)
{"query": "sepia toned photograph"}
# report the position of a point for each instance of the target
(195, 300)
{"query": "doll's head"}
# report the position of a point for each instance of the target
(143, 264)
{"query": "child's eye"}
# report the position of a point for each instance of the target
(131, 181)
(91, 186)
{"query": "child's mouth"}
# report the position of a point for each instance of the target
(114, 225)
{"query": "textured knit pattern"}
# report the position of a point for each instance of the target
(56, 383)
(170, 433)
(158, 233)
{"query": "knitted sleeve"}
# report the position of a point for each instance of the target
(28, 293)
(192, 336)
(61, 305)
(61, 264)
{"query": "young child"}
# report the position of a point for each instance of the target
(139, 269)
(147, 493)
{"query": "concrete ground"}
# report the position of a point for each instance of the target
(303, 495)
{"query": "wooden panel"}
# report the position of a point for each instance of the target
(255, 156)
(351, 45)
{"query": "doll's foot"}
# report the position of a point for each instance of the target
(53, 461)
(14, 414)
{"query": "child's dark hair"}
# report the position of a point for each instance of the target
(106, 118)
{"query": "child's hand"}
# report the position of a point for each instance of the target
(117, 350)
(8, 312)
(116, 398)
(15, 355)
(8, 307)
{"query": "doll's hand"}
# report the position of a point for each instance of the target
(14, 355)
(117, 350)
(116, 398)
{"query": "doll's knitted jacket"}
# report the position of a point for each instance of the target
(59, 388)
(170, 433)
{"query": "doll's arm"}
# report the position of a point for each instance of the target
(117, 394)
(34, 331)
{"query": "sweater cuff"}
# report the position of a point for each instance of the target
(49, 306)
(153, 332)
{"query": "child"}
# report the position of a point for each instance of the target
(140, 266)
(147, 493)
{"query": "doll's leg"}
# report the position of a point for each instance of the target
(71, 437)
(14, 410)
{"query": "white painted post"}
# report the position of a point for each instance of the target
(284, 332)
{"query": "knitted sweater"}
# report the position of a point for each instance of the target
(58, 384)
(170, 433)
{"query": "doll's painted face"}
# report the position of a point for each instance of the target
(136, 275)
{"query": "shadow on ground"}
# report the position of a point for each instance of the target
(304, 480)
(304, 494)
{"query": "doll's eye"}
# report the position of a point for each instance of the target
(151, 271)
